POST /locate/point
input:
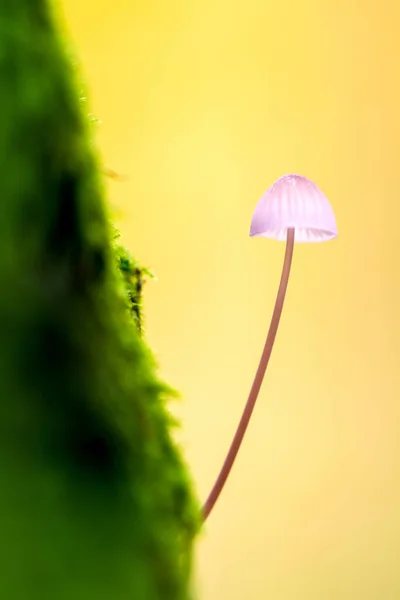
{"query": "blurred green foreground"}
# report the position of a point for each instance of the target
(95, 501)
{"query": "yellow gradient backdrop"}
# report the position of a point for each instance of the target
(204, 104)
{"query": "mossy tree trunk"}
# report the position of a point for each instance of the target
(95, 501)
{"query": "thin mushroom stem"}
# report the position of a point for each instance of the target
(262, 367)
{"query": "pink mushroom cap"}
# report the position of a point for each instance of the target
(294, 201)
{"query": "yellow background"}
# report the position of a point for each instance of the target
(204, 103)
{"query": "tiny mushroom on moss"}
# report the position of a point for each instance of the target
(292, 209)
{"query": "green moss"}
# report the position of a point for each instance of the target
(134, 277)
(95, 501)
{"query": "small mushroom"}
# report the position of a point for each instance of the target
(292, 209)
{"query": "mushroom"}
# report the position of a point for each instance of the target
(292, 209)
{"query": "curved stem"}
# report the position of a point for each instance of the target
(244, 421)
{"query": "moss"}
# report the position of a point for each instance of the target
(134, 276)
(95, 501)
